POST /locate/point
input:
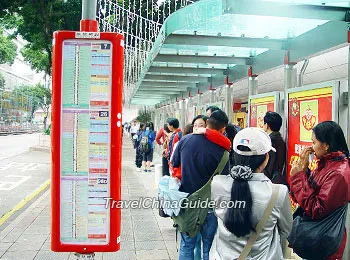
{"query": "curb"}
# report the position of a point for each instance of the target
(41, 149)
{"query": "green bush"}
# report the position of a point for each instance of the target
(48, 130)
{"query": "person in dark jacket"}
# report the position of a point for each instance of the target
(275, 169)
(231, 133)
(198, 158)
(321, 192)
(138, 160)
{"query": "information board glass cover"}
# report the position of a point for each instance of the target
(85, 141)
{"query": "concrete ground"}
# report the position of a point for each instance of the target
(144, 234)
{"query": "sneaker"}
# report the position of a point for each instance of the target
(144, 170)
(149, 170)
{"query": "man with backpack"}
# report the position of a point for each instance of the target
(200, 159)
(146, 147)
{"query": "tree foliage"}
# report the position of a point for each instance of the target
(144, 116)
(7, 49)
(36, 21)
(34, 97)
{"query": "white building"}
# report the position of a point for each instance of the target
(20, 72)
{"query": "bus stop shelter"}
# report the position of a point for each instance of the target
(213, 42)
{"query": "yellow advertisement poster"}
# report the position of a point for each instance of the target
(258, 109)
(177, 115)
(308, 118)
(261, 112)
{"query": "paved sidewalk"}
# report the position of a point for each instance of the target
(144, 235)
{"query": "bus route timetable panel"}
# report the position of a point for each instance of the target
(85, 142)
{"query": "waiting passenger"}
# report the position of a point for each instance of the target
(198, 158)
(173, 125)
(231, 133)
(275, 169)
(211, 109)
(321, 192)
(146, 147)
(162, 139)
(248, 185)
(138, 160)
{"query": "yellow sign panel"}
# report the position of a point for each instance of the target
(320, 92)
(262, 100)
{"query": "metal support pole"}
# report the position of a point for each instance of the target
(212, 96)
(252, 85)
(290, 81)
(228, 102)
(89, 9)
(183, 110)
(289, 76)
(346, 255)
(200, 100)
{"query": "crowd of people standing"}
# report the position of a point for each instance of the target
(254, 172)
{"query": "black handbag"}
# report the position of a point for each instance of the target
(317, 239)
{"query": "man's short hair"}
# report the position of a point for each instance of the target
(217, 120)
(173, 122)
(212, 108)
(274, 121)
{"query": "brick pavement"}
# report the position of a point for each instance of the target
(144, 236)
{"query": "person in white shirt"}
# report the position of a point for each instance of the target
(248, 186)
(133, 130)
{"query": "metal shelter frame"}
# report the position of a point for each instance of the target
(211, 42)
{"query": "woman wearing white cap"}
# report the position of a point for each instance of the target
(254, 215)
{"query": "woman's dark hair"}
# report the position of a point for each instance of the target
(166, 128)
(142, 125)
(150, 125)
(330, 132)
(230, 131)
(188, 129)
(205, 118)
(238, 220)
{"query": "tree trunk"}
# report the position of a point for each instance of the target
(45, 120)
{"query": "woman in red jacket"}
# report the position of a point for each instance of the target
(321, 192)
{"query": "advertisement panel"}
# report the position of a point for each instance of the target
(258, 108)
(86, 134)
(305, 110)
(190, 114)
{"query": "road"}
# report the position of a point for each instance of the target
(21, 171)
(11, 145)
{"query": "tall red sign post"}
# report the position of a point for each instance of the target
(86, 139)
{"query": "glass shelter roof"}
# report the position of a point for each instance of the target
(201, 44)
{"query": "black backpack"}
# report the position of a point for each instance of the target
(144, 146)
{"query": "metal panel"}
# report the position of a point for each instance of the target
(262, 8)
(209, 40)
(202, 59)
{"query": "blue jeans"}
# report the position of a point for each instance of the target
(198, 247)
(208, 230)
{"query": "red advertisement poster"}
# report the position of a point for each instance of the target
(258, 109)
(305, 110)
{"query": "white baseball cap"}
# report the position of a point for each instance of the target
(255, 139)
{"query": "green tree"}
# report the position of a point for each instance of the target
(144, 116)
(36, 21)
(2, 88)
(7, 49)
(35, 97)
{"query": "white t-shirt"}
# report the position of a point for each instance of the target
(134, 129)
